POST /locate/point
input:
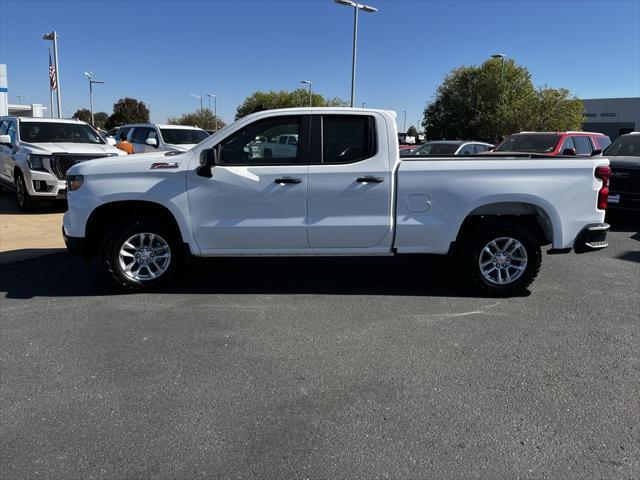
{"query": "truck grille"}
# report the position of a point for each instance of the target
(626, 183)
(625, 180)
(60, 163)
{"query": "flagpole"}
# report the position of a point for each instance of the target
(50, 89)
(55, 62)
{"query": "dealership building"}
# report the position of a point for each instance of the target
(612, 116)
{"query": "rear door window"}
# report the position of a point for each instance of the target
(583, 146)
(568, 143)
(140, 134)
(467, 150)
(348, 138)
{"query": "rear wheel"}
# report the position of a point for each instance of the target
(140, 255)
(500, 257)
(25, 201)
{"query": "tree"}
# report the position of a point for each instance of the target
(203, 118)
(259, 101)
(83, 114)
(494, 100)
(100, 119)
(556, 110)
(412, 131)
(127, 110)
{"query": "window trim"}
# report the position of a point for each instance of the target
(303, 143)
(373, 138)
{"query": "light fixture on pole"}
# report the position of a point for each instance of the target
(53, 36)
(198, 97)
(501, 56)
(89, 76)
(20, 96)
(215, 108)
(356, 8)
(310, 94)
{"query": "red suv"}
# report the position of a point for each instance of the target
(554, 143)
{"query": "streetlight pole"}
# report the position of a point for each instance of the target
(356, 8)
(199, 97)
(310, 94)
(54, 37)
(215, 108)
(89, 76)
(404, 126)
(501, 56)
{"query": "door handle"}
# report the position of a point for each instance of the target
(287, 181)
(370, 179)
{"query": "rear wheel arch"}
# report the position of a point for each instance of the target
(528, 214)
(108, 216)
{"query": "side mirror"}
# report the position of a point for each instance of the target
(596, 152)
(569, 151)
(151, 141)
(208, 160)
(111, 141)
(5, 139)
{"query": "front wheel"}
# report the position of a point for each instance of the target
(26, 202)
(501, 258)
(141, 255)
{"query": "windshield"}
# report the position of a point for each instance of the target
(41, 132)
(181, 136)
(435, 149)
(536, 143)
(627, 146)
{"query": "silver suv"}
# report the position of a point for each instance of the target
(35, 154)
(149, 137)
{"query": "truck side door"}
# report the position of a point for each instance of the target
(7, 127)
(350, 184)
(256, 199)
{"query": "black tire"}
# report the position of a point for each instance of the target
(114, 242)
(473, 246)
(26, 202)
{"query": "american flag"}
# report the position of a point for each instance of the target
(52, 74)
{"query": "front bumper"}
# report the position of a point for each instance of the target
(76, 245)
(591, 238)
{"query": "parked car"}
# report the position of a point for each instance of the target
(148, 137)
(624, 154)
(450, 147)
(35, 154)
(345, 192)
(554, 143)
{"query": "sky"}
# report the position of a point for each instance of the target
(159, 51)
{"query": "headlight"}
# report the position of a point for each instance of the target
(74, 182)
(36, 162)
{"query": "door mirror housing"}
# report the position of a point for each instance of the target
(111, 141)
(151, 141)
(569, 151)
(596, 152)
(5, 140)
(208, 160)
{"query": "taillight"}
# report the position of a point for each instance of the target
(604, 174)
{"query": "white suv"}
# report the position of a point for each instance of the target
(148, 137)
(35, 154)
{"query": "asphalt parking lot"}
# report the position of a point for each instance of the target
(323, 368)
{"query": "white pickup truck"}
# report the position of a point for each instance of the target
(345, 192)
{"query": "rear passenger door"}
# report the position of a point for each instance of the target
(349, 192)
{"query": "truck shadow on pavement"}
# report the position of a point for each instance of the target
(62, 275)
(626, 222)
